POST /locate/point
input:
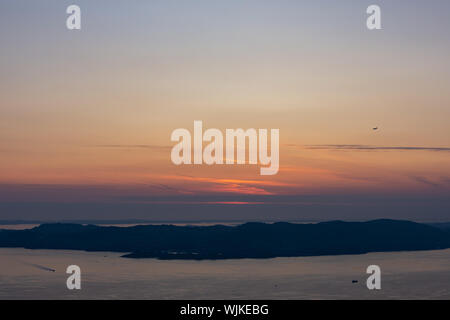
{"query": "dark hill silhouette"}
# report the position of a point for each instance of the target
(441, 225)
(249, 240)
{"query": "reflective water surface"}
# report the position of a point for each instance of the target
(24, 274)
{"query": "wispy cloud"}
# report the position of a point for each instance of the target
(238, 186)
(426, 181)
(226, 181)
(134, 146)
(167, 188)
(362, 147)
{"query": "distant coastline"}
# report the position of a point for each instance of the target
(248, 240)
(129, 222)
(143, 221)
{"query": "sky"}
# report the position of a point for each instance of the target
(86, 115)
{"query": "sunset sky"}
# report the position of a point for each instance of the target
(86, 116)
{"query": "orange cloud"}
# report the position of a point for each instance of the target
(240, 186)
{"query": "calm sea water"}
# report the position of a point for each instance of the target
(105, 275)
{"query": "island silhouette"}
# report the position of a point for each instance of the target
(249, 240)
